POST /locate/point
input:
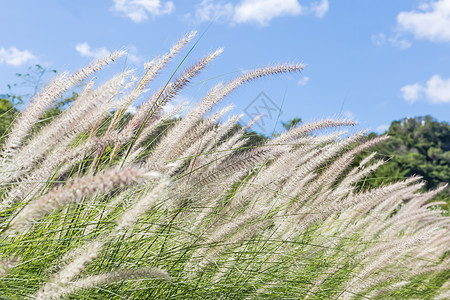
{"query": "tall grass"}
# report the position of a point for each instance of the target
(90, 211)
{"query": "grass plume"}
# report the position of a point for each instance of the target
(91, 212)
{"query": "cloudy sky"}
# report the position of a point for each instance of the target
(372, 61)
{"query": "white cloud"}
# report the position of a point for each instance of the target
(259, 12)
(262, 12)
(348, 115)
(14, 57)
(138, 10)
(131, 54)
(430, 22)
(400, 43)
(411, 93)
(320, 8)
(132, 109)
(85, 50)
(304, 80)
(209, 10)
(382, 128)
(436, 90)
(381, 39)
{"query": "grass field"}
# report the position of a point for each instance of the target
(95, 207)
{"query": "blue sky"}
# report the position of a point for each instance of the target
(373, 61)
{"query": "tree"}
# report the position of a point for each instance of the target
(417, 146)
(22, 91)
(291, 123)
(32, 81)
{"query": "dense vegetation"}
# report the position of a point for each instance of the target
(417, 146)
(97, 203)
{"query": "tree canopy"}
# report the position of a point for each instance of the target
(417, 146)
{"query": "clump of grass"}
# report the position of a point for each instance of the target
(89, 211)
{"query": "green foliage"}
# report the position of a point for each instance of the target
(291, 123)
(417, 146)
(422, 147)
(8, 114)
(254, 139)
